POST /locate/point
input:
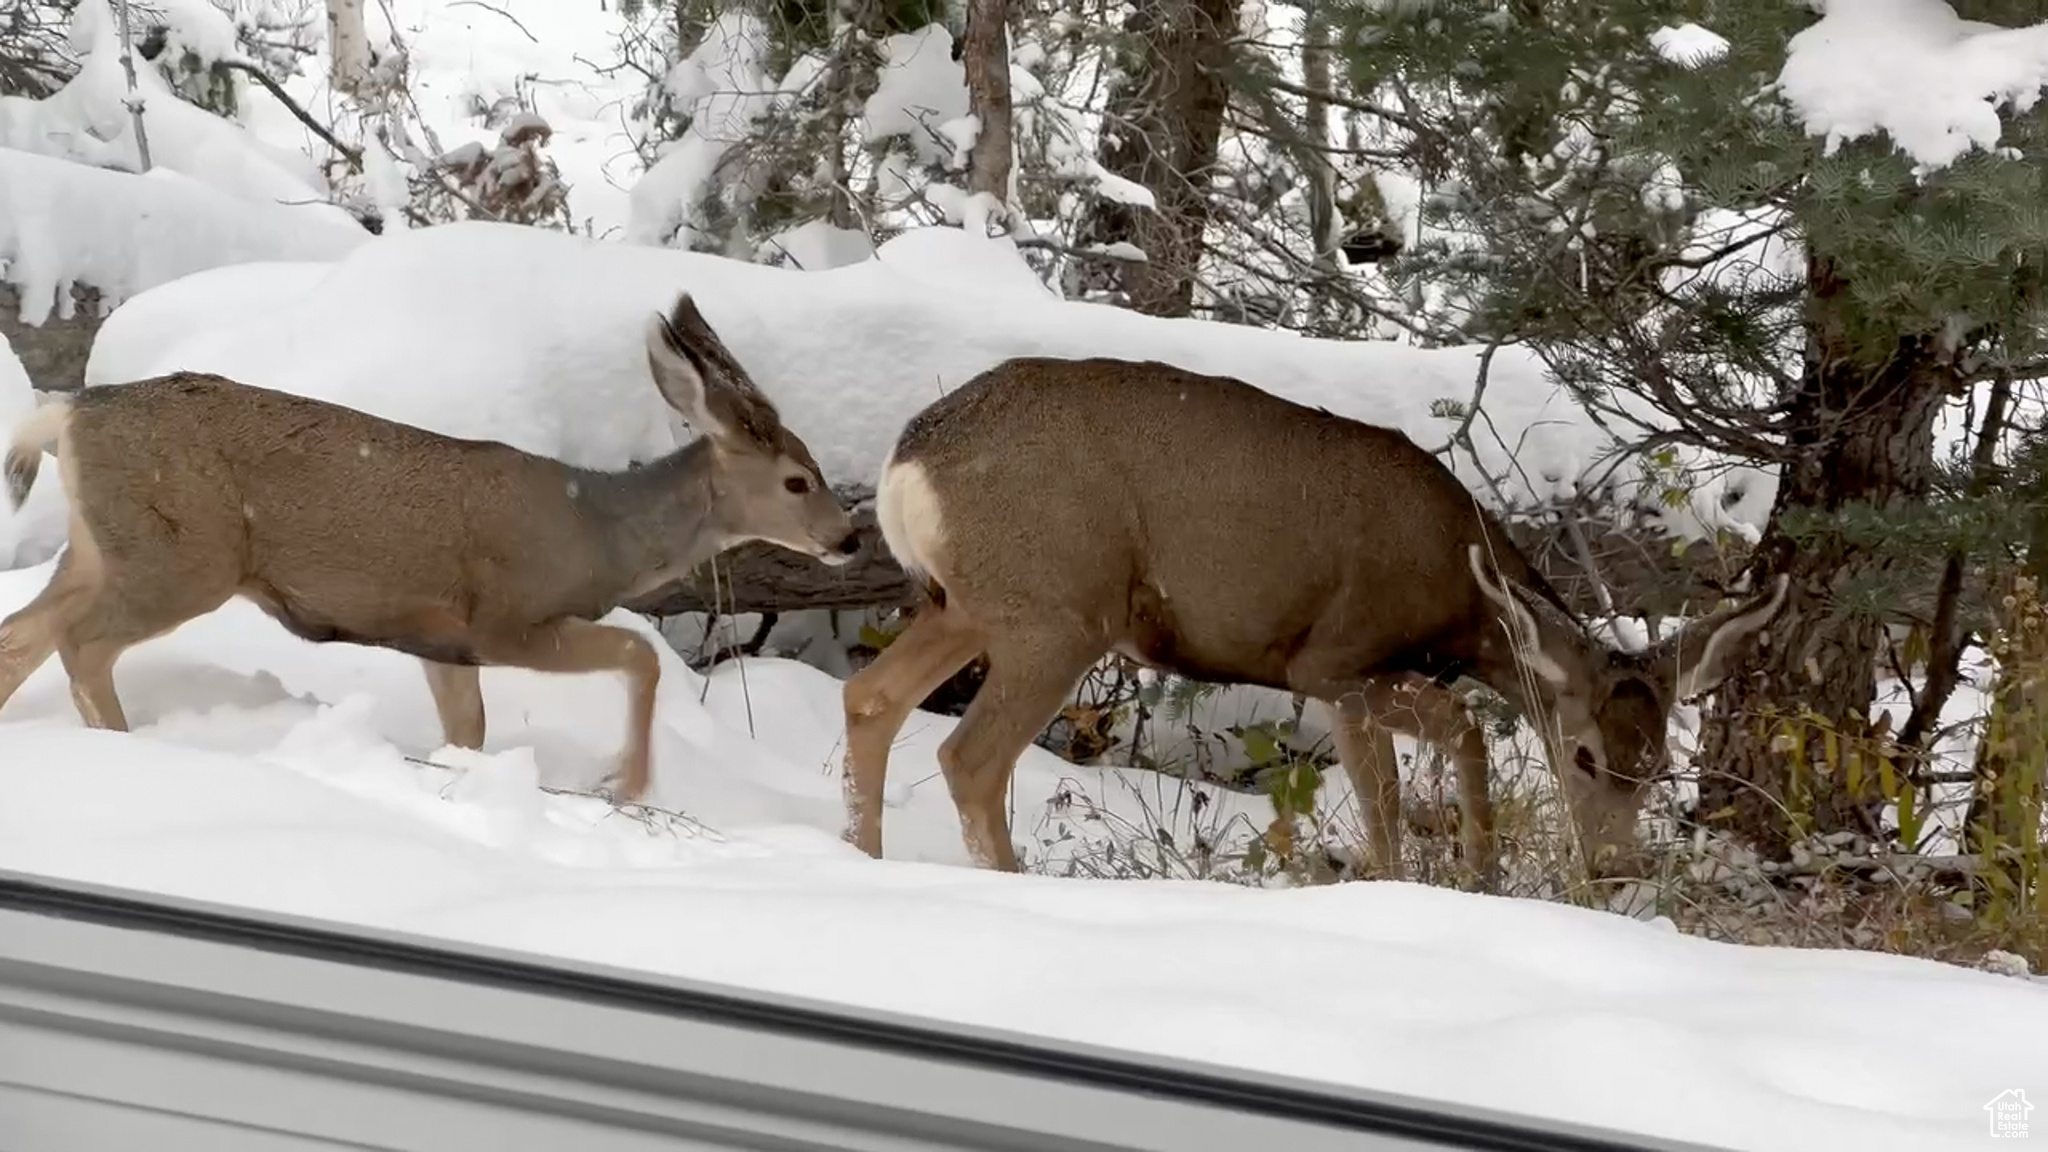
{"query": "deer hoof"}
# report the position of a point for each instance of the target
(617, 786)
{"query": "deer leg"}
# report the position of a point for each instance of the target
(90, 643)
(119, 614)
(880, 697)
(573, 645)
(1026, 684)
(1424, 711)
(29, 634)
(1366, 750)
(459, 698)
(1475, 800)
(91, 668)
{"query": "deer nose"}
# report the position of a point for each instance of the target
(848, 546)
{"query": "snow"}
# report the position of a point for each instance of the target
(74, 210)
(33, 534)
(724, 87)
(62, 222)
(1688, 45)
(533, 337)
(198, 27)
(87, 121)
(922, 90)
(469, 59)
(816, 245)
(1914, 70)
(252, 747)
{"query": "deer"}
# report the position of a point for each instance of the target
(189, 489)
(1055, 511)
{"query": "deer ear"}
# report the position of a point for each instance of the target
(1701, 655)
(682, 380)
(701, 380)
(1530, 641)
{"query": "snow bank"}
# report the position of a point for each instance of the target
(1914, 70)
(267, 773)
(63, 223)
(533, 338)
(88, 121)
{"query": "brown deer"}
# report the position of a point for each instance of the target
(1058, 510)
(189, 489)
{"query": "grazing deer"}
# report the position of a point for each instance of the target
(1058, 510)
(189, 489)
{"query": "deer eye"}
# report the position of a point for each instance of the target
(797, 484)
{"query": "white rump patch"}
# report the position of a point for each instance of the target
(907, 511)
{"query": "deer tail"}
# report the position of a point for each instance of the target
(37, 433)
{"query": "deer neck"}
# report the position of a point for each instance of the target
(655, 522)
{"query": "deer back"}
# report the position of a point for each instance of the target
(1199, 512)
(348, 526)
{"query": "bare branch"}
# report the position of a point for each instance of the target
(298, 111)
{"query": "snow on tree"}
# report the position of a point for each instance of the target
(215, 192)
(1801, 255)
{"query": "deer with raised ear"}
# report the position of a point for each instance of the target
(189, 489)
(1055, 511)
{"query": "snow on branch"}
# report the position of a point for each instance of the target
(1913, 69)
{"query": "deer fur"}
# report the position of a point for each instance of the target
(1059, 510)
(189, 489)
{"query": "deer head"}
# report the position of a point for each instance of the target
(766, 484)
(1608, 709)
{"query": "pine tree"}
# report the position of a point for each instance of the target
(1669, 237)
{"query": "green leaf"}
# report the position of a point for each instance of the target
(1260, 747)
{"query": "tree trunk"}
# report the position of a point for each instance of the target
(1160, 130)
(1323, 224)
(348, 46)
(986, 54)
(1946, 636)
(1776, 754)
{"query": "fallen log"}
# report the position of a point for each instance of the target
(760, 577)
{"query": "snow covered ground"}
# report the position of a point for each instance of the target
(268, 773)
